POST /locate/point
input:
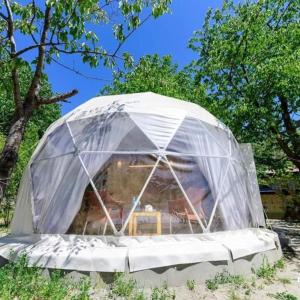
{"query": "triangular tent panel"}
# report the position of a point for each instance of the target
(53, 182)
(233, 197)
(194, 138)
(152, 124)
(95, 134)
(200, 178)
(57, 143)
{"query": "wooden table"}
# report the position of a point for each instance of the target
(135, 215)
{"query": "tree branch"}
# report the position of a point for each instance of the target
(56, 98)
(31, 22)
(129, 34)
(36, 46)
(34, 87)
(79, 73)
(289, 126)
(86, 52)
(13, 50)
(285, 147)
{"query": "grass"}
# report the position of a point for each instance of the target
(162, 293)
(19, 281)
(3, 230)
(284, 280)
(233, 296)
(268, 271)
(122, 286)
(223, 278)
(127, 289)
(283, 296)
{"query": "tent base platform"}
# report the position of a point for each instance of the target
(152, 261)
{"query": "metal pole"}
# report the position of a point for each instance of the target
(92, 184)
(140, 195)
(185, 195)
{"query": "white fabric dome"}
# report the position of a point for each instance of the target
(138, 164)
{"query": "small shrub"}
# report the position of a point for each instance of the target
(211, 284)
(268, 271)
(121, 286)
(223, 278)
(162, 294)
(284, 296)
(191, 285)
(279, 264)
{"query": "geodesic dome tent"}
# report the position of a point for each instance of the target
(138, 164)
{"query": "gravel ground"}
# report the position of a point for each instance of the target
(290, 232)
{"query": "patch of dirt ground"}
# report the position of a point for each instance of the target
(284, 285)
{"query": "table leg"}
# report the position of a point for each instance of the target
(158, 217)
(130, 226)
(134, 225)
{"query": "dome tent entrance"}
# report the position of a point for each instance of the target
(137, 182)
(163, 145)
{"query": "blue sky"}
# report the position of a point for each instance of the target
(167, 35)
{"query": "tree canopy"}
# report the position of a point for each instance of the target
(249, 63)
(52, 28)
(156, 74)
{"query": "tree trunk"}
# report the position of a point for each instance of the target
(292, 156)
(9, 155)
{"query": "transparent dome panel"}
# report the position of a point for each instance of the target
(233, 200)
(159, 127)
(118, 180)
(196, 137)
(112, 132)
(163, 208)
(220, 135)
(57, 184)
(58, 143)
(200, 178)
